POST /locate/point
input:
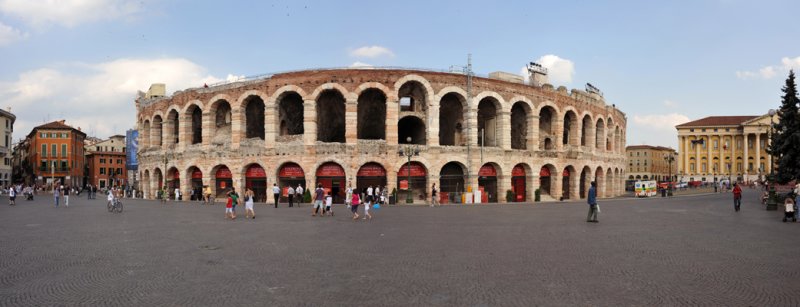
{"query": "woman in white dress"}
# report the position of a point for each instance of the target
(248, 204)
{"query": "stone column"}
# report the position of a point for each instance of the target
(758, 153)
(533, 182)
(503, 185)
(696, 157)
(392, 113)
(533, 132)
(503, 131)
(746, 156)
(574, 185)
(556, 186)
(558, 134)
(236, 129)
(709, 170)
(208, 129)
(432, 122)
(590, 139)
(270, 124)
(351, 121)
(309, 124)
(733, 156)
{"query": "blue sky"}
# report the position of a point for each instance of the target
(661, 62)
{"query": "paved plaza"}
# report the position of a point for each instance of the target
(691, 250)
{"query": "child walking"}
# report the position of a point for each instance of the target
(328, 203)
(229, 208)
(366, 208)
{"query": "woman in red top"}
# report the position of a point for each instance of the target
(737, 197)
(354, 206)
(229, 208)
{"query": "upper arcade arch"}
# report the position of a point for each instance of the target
(331, 116)
(291, 110)
(371, 117)
(451, 120)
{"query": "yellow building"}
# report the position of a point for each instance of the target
(713, 148)
(647, 162)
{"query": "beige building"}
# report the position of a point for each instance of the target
(725, 147)
(647, 162)
(351, 127)
(6, 147)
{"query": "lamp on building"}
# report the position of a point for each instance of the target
(772, 202)
(408, 151)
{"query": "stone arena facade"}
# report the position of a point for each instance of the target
(343, 127)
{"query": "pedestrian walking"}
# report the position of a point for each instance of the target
(434, 196)
(796, 200)
(319, 193)
(276, 193)
(229, 213)
(354, 205)
(328, 204)
(235, 200)
(737, 197)
(290, 195)
(348, 196)
(592, 200)
(369, 195)
(12, 196)
(56, 194)
(299, 193)
(789, 209)
(366, 209)
(248, 204)
(177, 194)
(66, 192)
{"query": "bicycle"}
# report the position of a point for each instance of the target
(115, 205)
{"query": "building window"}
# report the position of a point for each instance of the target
(63, 150)
(750, 166)
(119, 161)
(738, 144)
(102, 171)
(715, 129)
(691, 167)
(716, 144)
(704, 130)
(44, 150)
(42, 135)
(739, 167)
(691, 130)
(763, 144)
(761, 167)
(43, 165)
(64, 166)
(102, 161)
(749, 144)
(119, 171)
(54, 150)
(703, 167)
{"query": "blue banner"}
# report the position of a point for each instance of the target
(132, 144)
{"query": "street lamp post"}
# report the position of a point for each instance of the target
(772, 202)
(669, 158)
(408, 151)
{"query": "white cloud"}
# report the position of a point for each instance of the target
(97, 97)
(372, 52)
(655, 129)
(670, 104)
(9, 35)
(360, 64)
(68, 13)
(768, 72)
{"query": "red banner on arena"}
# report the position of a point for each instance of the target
(291, 170)
(518, 171)
(487, 171)
(224, 172)
(545, 172)
(197, 174)
(417, 170)
(565, 173)
(330, 170)
(371, 170)
(403, 184)
(255, 171)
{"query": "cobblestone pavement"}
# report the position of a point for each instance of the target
(678, 251)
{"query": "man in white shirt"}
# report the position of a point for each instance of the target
(177, 194)
(290, 195)
(369, 195)
(276, 192)
(299, 193)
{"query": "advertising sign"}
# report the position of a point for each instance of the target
(132, 144)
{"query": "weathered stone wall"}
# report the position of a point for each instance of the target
(228, 145)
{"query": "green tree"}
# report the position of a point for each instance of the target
(786, 134)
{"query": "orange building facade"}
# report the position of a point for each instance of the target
(106, 162)
(57, 154)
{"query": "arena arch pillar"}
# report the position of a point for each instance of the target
(503, 185)
(392, 112)
(351, 121)
(207, 123)
(533, 139)
(557, 186)
(504, 139)
(433, 123)
(309, 123)
(270, 117)
(534, 183)
(558, 131)
(236, 129)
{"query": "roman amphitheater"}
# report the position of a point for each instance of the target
(359, 126)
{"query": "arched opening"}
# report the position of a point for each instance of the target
(173, 182)
(145, 135)
(451, 182)
(487, 183)
(411, 126)
(255, 178)
(518, 183)
(546, 179)
(197, 124)
(519, 126)
(156, 131)
(173, 121)
(546, 118)
(413, 97)
(196, 176)
(600, 135)
(291, 174)
(586, 128)
(412, 178)
(638, 177)
(222, 122)
(451, 118)
(332, 178)
(585, 183)
(371, 120)
(371, 175)
(570, 132)
(223, 179)
(487, 122)
(254, 117)
(565, 182)
(290, 114)
(330, 117)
